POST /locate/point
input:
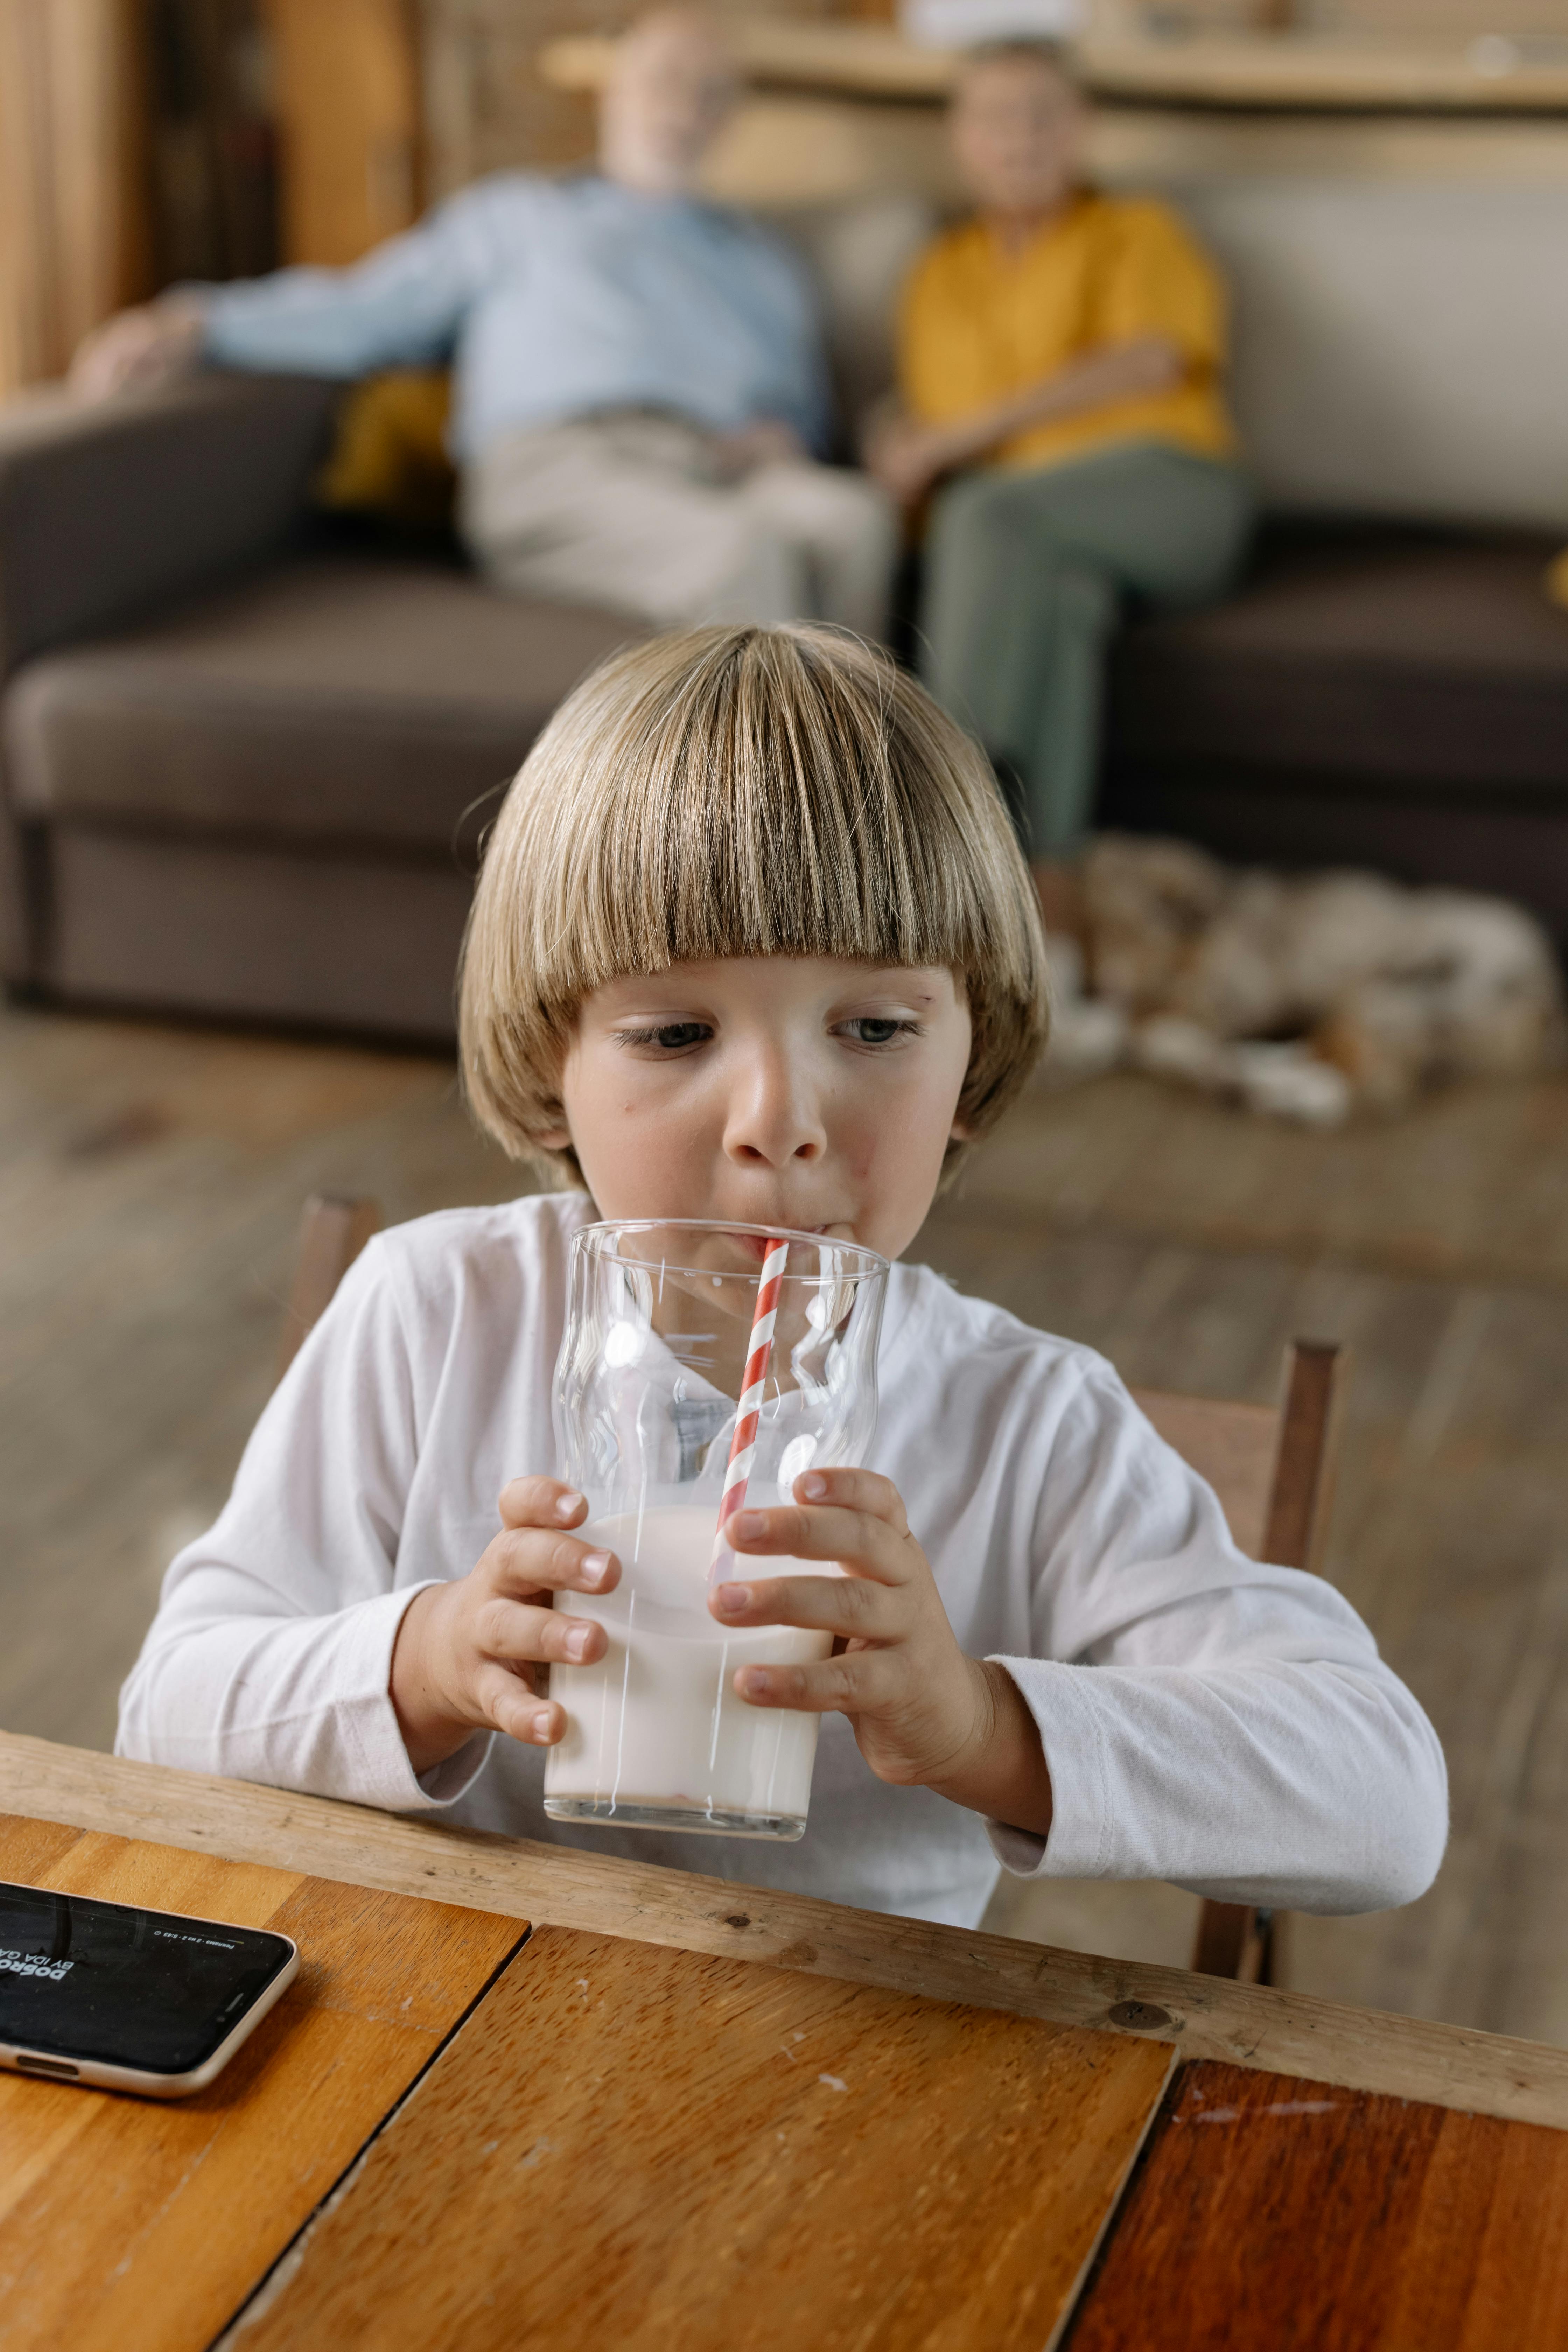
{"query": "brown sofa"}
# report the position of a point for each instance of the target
(245, 770)
(1376, 695)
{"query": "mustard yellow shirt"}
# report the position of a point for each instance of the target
(978, 323)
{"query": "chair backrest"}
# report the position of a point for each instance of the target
(1271, 1467)
(1231, 1445)
(333, 1232)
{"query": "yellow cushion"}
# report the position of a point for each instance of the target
(1556, 582)
(389, 456)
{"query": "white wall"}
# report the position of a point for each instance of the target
(1399, 347)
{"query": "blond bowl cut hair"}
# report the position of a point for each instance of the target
(742, 792)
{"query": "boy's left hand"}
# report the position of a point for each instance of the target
(923, 1713)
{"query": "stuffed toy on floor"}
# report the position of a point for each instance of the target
(1306, 996)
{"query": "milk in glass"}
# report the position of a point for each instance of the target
(656, 1724)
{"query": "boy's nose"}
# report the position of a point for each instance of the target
(773, 1123)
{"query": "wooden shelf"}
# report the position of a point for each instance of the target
(1263, 72)
(1291, 72)
(844, 60)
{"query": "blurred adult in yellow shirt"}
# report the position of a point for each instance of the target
(1059, 387)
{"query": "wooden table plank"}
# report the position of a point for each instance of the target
(1272, 2215)
(1205, 2017)
(129, 2225)
(647, 2149)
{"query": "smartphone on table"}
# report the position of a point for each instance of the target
(128, 1999)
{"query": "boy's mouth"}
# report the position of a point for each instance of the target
(757, 1245)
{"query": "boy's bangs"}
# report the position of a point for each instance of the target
(763, 826)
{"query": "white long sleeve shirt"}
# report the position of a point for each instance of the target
(1204, 1718)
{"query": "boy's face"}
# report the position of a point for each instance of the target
(772, 1090)
(1018, 133)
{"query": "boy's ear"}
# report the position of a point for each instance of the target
(555, 1139)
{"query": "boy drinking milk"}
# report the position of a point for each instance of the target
(753, 942)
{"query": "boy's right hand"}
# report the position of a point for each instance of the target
(465, 1653)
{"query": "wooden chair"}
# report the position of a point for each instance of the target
(333, 1232)
(1270, 1466)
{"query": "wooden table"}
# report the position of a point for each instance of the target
(521, 2095)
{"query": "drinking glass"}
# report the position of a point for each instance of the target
(647, 1392)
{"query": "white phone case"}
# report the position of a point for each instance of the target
(50, 2066)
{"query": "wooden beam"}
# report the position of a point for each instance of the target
(1203, 2017)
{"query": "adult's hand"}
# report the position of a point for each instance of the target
(137, 350)
(906, 458)
(766, 441)
(1149, 363)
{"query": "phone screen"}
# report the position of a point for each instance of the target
(109, 1982)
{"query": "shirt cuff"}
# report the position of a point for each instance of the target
(1067, 1719)
(386, 1777)
(445, 1782)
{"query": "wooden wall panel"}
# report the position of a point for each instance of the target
(73, 237)
(487, 105)
(349, 110)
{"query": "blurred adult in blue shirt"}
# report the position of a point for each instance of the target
(640, 396)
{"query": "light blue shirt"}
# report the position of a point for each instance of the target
(554, 299)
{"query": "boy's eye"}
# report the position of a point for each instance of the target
(875, 1030)
(669, 1037)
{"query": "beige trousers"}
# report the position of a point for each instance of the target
(629, 511)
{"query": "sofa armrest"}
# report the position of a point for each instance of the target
(106, 509)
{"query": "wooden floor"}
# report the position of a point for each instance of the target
(150, 1180)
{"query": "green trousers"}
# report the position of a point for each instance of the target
(1025, 577)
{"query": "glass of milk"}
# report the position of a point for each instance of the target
(658, 1329)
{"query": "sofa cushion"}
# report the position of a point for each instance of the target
(344, 941)
(329, 700)
(1426, 664)
(108, 508)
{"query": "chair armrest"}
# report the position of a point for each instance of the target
(106, 509)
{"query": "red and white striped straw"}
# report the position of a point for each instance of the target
(749, 1412)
